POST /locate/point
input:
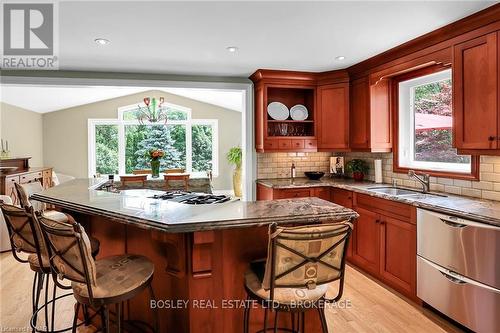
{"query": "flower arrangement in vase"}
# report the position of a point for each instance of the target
(155, 155)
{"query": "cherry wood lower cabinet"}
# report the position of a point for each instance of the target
(386, 242)
(344, 198)
(268, 193)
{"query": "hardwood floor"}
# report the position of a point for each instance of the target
(369, 307)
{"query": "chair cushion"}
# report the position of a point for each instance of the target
(56, 216)
(287, 296)
(118, 278)
(35, 264)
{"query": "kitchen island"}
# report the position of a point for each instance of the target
(200, 252)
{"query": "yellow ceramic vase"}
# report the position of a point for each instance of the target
(237, 182)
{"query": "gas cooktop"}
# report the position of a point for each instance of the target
(192, 198)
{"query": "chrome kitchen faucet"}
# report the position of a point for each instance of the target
(424, 180)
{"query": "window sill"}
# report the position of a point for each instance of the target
(473, 175)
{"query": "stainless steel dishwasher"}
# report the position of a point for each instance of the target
(458, 269)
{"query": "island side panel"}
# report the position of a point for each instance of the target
(203, 268)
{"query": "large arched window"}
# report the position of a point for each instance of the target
(119, 146)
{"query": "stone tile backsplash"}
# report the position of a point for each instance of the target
(277, 165)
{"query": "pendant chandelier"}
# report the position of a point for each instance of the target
(154, 111)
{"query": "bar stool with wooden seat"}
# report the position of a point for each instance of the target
(25, 237)
(301, 262)
(98, 283)
(24, 191)
(176, 174)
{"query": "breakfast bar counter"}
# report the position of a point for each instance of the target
(200, 252)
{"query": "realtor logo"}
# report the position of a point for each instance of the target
(29, 36)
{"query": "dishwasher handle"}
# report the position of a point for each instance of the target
(453, 279)
(457, 222)
(458, 278)
(453, 224)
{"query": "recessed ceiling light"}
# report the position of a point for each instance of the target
(101, 41)
(339, 58)
(232, 49)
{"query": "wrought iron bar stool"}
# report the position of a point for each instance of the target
(25, 237)
(301, 262)
(96, 283)
(24, 191)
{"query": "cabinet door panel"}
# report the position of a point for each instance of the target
(380, 117)
(344, 198)
(398, 254)
(367, 246)
(333, 106)
(288, 194)
(359, 130)
(475, 93)
(322, 193)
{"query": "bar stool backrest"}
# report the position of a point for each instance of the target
(179, 170)
(70, 252)
(306, 256)
(24, 232)
(24, 191)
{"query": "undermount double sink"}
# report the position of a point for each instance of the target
(399, 191)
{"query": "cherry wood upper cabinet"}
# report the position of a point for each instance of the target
(360, 114)
(476, 95)
(370, 121)
(333, 116)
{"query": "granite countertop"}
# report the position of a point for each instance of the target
(137, 208)
(485, 211)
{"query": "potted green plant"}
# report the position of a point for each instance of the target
(234, 157)
(358, 168)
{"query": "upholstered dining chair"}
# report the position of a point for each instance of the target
(176, 175)
(134, 179)
(301, 262)
(98, 283)
(142, 172)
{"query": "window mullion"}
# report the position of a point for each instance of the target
(189, 147)
(121, 148)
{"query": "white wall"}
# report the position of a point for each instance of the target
(23, 129)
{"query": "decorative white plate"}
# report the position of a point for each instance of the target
(278, 111)
(299, 112)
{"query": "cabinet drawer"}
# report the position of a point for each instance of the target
(342, 197)
(310, 144)
(285, 143)
(11, 180)
(30, 177)
(460, 298)
(299, 193)
(297, 144)
(464, 246)
(271, 144)
(390, 208)
(47, 173)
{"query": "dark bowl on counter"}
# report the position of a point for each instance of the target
(314, 175)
